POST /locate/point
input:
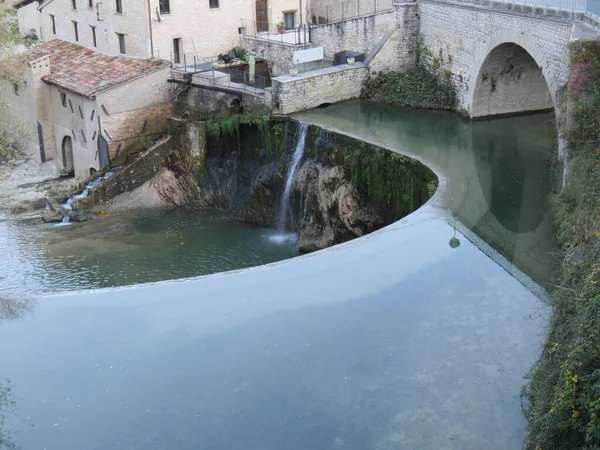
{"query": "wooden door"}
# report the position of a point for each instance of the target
(262, 20)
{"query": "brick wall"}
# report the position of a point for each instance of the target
(309, 90)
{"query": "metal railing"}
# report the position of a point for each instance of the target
(274, 33)
(349, 9)
(187, 62)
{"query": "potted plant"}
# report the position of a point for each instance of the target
(281, 27)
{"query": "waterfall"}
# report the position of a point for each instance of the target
(296, 157)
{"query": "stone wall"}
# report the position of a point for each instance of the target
(133, 23)
(460, 36)
(278, 54)
(202, 102)
(137, 130)
(309, 90)
(396, 51)
(331, 11)
(360, 34)
(173, 161)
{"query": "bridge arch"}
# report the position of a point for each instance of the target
(511, 75)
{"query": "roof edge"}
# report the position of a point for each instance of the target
(93, 94)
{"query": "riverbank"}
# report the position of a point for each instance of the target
(25, 185)
(565, 383)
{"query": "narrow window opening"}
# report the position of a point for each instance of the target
(74, 2)
(119, 5)
(165, 7)
(177, 50)
(213, 4)
(16, 88)
(53, 20)
(122, 48)
(76, 31)
(63, 99)
(94, 41)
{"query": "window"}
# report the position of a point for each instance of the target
(121, 43)
(165, 8)
(63, 99)
(76, 31)
(289, 20)
(119, 5)
(53, 20)
(91, 3)
(74, 4)
(94, 42)
(213, 4)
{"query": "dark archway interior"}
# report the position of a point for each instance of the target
(510, 82)
(67, 153)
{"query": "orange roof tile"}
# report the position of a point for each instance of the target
(85, 71)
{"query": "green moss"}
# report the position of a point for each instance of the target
(565, 383)
(420, 87)
(386, 179)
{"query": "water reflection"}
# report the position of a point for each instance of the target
(497, 171)
(12, 308)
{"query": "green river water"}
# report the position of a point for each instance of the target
(397, 340)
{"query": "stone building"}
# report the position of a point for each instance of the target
(83, 108)
(167, 29)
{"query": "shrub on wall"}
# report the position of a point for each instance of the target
(419, 87)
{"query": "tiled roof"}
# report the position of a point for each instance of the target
(85, 71)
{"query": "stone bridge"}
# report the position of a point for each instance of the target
(505, 58)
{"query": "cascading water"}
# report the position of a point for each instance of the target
(68, 206)
(296, 157)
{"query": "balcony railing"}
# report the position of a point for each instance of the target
(332, 12)
(293, 36)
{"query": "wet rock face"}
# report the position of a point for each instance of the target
(331, 207)
(342, 188)
(81, 216)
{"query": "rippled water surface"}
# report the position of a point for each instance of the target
(143, 247)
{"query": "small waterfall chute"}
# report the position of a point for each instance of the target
(296, 157)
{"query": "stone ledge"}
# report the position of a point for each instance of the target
(284, 79)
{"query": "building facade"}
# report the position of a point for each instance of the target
(84, 109)
(167, 29)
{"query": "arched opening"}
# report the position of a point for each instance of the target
(67, 153)
(235, 106)
(510, 82)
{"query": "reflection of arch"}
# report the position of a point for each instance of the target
(511, 74)
(67, 153)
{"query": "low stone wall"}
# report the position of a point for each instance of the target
(309, 90)
(278, 54)
(206, 102)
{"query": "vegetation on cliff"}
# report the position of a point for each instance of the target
(11, 69)
(425, 86)
(565, 383)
